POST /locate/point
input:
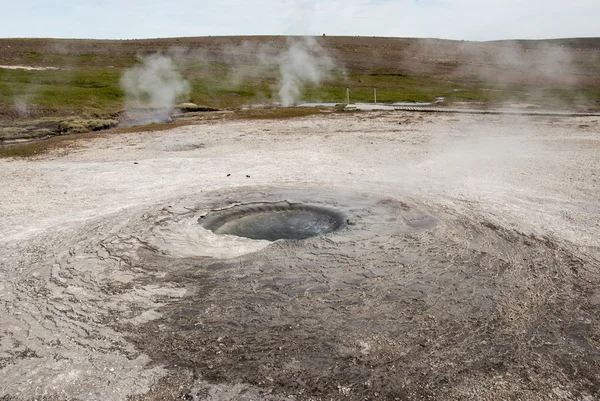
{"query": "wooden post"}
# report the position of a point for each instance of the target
(347, 95)
(375, 95)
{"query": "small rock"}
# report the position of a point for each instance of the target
(247, 176)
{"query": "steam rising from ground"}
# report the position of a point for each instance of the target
(303, 62)
(152, 89)
(21, 105)
(512, 62)
(299, 61)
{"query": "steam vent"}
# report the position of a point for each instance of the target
(273, 221)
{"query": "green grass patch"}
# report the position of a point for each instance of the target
(87, 86)
(61, 91)
(79, 126)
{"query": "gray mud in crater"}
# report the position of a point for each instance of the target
(274, 221)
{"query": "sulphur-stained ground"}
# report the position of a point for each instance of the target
(468, 268)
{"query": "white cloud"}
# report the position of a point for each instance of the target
(452, 19)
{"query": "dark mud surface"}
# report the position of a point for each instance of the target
(407, 302)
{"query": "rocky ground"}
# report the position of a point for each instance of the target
(468, 269)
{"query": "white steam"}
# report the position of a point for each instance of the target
(303, 62)
(152, 89)
(298, 61)
(21, 105)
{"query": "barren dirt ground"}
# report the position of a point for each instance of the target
(469, 268)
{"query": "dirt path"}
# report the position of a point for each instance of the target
(469, 269)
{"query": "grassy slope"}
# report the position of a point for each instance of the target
(87, 82)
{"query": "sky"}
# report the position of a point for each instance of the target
(446, 19)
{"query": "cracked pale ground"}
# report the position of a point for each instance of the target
(469, 269)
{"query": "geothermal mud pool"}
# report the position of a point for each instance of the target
(274, 221)
(459, 259)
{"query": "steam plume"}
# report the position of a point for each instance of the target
(299, 61)
(154, 86)
(304, 62)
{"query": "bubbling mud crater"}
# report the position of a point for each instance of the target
(274, 221)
